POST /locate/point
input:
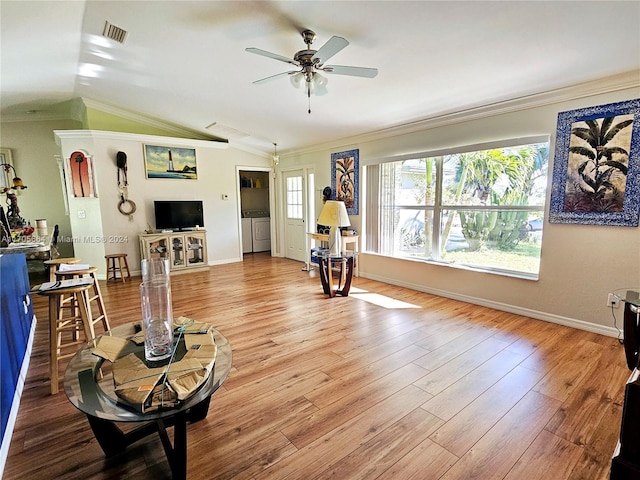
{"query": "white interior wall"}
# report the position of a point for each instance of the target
(216, 164)
(33, 149)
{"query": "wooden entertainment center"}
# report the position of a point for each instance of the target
(186, 251)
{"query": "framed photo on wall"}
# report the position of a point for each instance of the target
(596, 168)
(170, 162)
(345, 177)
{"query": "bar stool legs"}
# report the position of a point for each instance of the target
(113, 270)
(93, 297)
(61, 327)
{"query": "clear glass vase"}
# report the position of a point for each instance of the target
(157, 319)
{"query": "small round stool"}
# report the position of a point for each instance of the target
(54, 265)
(61, 327)
(113, 269)
(101, 313)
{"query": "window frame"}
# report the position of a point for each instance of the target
(372, 221)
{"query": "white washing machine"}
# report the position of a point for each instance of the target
(256, 231)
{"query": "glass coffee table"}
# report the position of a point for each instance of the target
(88, 383)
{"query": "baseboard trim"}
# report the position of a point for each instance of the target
(504, 307)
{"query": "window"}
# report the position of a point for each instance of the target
(294, 197)
(477, 207)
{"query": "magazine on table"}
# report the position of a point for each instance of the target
(72, 282)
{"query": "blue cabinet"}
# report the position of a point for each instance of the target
(17, 328)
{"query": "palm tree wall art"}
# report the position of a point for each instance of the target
(596, 166)
(345, 179)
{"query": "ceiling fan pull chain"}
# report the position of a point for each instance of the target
(309, 96)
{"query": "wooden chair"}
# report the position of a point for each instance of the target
(113, 269)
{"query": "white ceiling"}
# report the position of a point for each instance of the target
(184, 62)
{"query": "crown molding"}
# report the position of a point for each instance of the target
(137, 137)
(606, 85)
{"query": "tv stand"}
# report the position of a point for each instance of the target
(186, 251)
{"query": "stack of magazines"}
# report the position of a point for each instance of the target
(72, 282)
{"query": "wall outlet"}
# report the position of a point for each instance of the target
(613, 301)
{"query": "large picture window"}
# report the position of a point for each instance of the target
(481, 208)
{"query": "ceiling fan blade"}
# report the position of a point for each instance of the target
(353, 71)
(329, 49)
(273, 77)
(275, 56)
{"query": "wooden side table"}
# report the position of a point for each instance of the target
(327, 263)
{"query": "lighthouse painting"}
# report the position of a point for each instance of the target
(170, 162)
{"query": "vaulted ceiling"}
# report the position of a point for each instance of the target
(184, 62)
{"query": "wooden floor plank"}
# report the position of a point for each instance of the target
(460, 433)
(452, 399)
(340, 378)
(547, 457)
(493, 456)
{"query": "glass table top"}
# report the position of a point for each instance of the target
(628, 295)
(88, 381)
(325, 253)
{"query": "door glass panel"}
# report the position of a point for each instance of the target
(294, 198)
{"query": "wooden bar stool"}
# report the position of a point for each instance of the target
(92, 297)
(63, 330)
(120, 268)
(54, 264)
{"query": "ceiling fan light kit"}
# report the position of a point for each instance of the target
(311, 63)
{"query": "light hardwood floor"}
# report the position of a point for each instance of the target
(387, 383)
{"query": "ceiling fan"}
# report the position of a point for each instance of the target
(311, 62)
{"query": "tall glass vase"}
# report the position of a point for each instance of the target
(157, 310)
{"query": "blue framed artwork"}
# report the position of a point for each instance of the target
(345, 176)
(170, 162)
(596, 168)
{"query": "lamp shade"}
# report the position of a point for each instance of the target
(334, 214)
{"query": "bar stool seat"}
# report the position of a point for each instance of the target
(91, 297)
(63, 330)
(113, 269)
(54, 264)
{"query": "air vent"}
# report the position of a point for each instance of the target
(225, 131)
(114, 33)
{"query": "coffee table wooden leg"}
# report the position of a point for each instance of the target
(176, 453)
(109, 437)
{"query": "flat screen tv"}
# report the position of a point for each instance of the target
(178, 214)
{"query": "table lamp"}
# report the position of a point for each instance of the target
(334, 214)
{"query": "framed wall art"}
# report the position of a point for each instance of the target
(345, 179)
(81, 174)
(170, 162)
(596, 168)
